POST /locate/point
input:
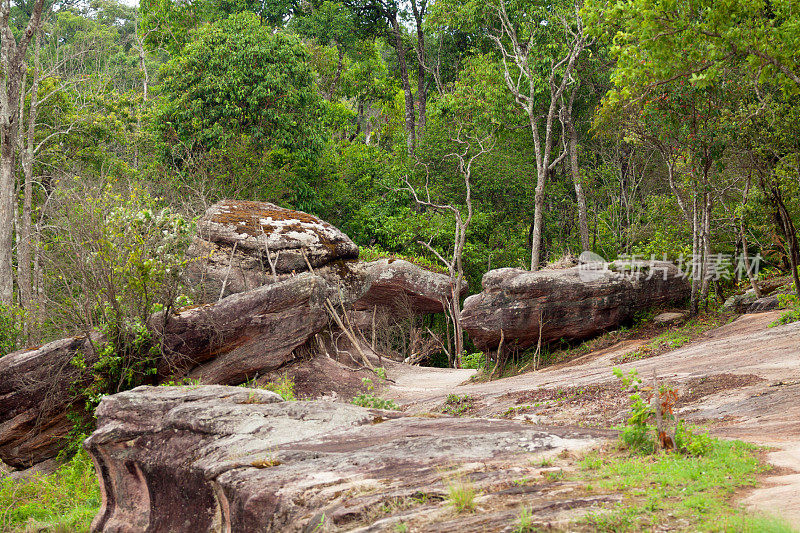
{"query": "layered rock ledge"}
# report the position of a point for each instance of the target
(213, 458)
(572, 304)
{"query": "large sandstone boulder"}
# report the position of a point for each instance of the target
(245, 334)
(217, 458)
(573, 303)
(36, 394)
(239, 243)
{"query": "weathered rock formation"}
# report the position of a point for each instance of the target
(573, 303)
(215, 458)
(244, 245)
(36, 391)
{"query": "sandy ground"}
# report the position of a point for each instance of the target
(741, 380)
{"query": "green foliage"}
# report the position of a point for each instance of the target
(475, 361)
(238, 83)
(373, 402)
(115, 259)
(458, 405)
(692, 443)
(636, 434)
(11, 336)
(791, 304)
(66, 500)
(285, 386)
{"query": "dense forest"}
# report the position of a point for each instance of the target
(519, 132)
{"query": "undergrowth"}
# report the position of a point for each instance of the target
(791, 306)
(66, 500)
(693, 491)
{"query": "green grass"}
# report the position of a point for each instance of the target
(374, 402)
(461, 495)
(659, 489)
(676, 337)
(284, 386)
(66, 500)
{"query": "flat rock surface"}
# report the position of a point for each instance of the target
(235, 459)
(741, 380)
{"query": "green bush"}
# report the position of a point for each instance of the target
(370, 401)
(10, 328)
(791, 304)
(475, 361)
(66, 500)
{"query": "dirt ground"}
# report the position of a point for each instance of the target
(741, 380)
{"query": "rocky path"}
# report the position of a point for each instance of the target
(741, 380)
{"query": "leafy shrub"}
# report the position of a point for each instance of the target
(476, 361)
(10, 328)
(791, 304)
(66, 500)
(370, 401)
(114, 259)
(692, 443)
(457, 405)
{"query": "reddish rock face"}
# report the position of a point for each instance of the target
(572, 303)
(244, 334)
(35, 397)
(215, 458)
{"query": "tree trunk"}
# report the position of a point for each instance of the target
(422, 89)
(401, 60)
(583, 222)
(790, 233)
(694, 302)
(538, 210)
(27, 155)
(12, 66)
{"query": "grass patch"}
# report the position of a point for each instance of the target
(284, 386)
(693, 493)
(374, 402)
(458, 405)
(66, 500)
(674, 338)
(461, 495)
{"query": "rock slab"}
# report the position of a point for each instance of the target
(213, 458)
(571, 304)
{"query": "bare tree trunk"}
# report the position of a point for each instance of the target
(694, 302)
(12, 68)
(743, 237)
(583, 220)
(422, 89)
(24, 276)
(401, 59)
(708, 204)
(538, 215)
